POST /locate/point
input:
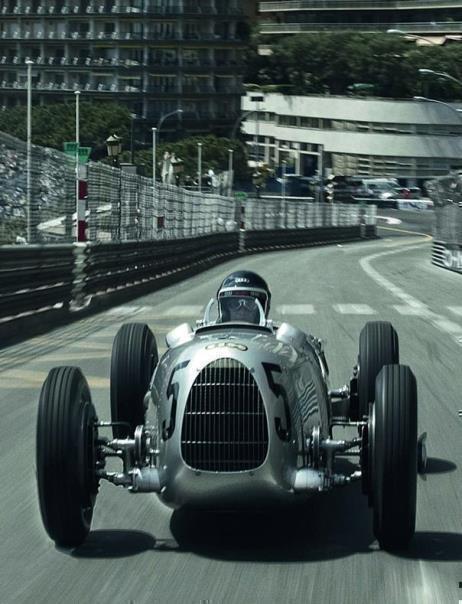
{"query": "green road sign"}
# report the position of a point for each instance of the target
(240, 195)
(70, 149)
(84, 154)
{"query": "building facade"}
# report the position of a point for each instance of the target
(440, 19)
(154, 56)
(409, 140)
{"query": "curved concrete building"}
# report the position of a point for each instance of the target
(409, 140)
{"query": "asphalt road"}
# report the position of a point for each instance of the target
(141, 552)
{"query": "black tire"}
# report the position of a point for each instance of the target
(394, 456)
(134, 358)
(378, 346)
(66, 456)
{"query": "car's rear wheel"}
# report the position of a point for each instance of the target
(66, 456)
(394, 456)
(134, 358)
(378, 346)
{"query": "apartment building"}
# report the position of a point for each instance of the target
(154, 56)
(439, 19)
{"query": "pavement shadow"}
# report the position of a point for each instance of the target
(434, 546)
(328, 526)
(115, 544)
(435, 465)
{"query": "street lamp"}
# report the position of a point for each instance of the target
(114, 148)
(453, 109)
(133, 117)
(257, 99)
(79, 203)
(29, 64)
(167, 115)
(178, 168)
(230, 172)
(400, 32)
(440, 74)
(199, 166)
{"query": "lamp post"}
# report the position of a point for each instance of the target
(400, 32)
(178, 167)
(230, 172)
(114, 149)
(79, 203)
(440, 74)
(321, 172)
(199, 166)
(257, 99)
(425, 99)
(132, 137)
(29, 64)
(167, 115)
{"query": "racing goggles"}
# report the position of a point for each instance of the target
(237, 299)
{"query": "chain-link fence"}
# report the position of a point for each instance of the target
(52, 182)
(124, 206)
(298, 214)
(446, 194)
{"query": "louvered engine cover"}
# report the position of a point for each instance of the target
(224, 426)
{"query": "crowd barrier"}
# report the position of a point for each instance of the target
(41, 286)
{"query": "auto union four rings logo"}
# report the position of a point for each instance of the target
(233, 345)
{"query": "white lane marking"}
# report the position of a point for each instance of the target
(411, 311)
(295, 309)
(441, 322)
(183, 311)
(354, 309)
(457, 310)
(123, 311)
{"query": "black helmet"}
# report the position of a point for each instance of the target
(236, 297)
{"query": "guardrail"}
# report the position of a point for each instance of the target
(41, 286)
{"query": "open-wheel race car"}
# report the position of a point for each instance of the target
(243, 417)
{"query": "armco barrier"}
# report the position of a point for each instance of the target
(264, 240)
(133, 264)
(35, 278)
(36, 285)
(42, 286)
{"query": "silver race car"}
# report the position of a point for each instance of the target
(242, 417)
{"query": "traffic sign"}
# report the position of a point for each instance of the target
(70, 149)
(240, 195)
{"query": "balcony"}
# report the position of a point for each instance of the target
(317, 5)
(427, 28)
(120, 8)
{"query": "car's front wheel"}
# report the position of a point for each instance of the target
(393, 471)
(378, 346)
(134, 358)
(66, 456)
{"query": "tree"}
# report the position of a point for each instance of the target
(215, 155)
(52, 125)
(331, 63)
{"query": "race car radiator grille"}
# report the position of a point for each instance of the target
(224, 425)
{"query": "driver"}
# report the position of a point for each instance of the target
(237, 294)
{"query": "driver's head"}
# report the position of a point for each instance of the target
(236, 297)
